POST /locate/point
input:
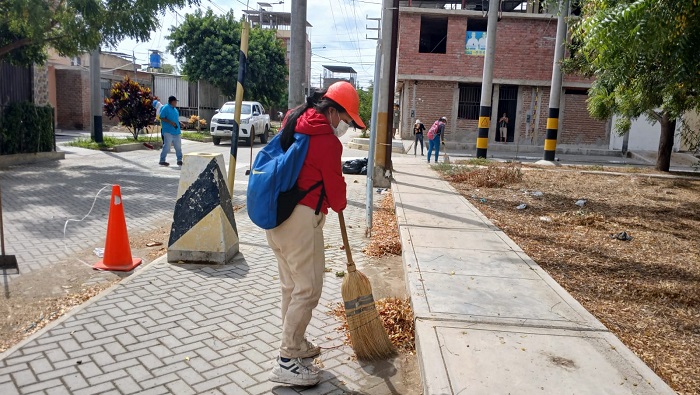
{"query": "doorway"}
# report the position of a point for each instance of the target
(507, 103)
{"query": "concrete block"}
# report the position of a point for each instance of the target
(204, 228)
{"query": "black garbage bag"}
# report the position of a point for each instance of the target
(354, 166)
(363, 171)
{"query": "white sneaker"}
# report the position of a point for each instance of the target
(309, 350)
(294, 372)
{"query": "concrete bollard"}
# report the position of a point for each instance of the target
(204, 228)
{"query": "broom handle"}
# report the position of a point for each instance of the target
(344, 232)
(2, 232)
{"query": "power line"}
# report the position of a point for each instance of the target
(340, 61)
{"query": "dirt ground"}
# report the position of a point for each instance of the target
(645, 290)
(36, 298)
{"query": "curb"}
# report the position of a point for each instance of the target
(24, 159)
(79, 308)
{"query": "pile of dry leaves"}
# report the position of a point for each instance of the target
(490, 176)
(397, 317)
(645, 290)
(385, 236)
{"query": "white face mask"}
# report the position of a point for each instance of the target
(342, 127)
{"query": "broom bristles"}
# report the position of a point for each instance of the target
(367, 334)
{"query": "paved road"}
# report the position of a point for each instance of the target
(180, 329)
(39, 198)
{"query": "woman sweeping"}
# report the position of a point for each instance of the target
(298, 242)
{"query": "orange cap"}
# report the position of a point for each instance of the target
(343, 93)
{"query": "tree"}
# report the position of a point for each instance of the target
(209, 44)
(169, 69)
(643, 55)
(73, 27)
(132, 104)
(366, 104)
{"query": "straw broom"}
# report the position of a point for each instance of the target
(367, 334)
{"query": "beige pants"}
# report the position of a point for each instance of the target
(298, 246)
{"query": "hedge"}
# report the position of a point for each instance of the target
(26, 128)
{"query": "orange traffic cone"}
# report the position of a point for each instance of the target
(117, 254)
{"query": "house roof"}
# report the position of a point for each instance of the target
(475, 5)
(279, 18)
(340, 69)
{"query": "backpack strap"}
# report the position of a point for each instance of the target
(320, 198)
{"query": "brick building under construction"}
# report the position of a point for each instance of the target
(441, 51)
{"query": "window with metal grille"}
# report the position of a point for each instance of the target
(433, 34)
(106, 87)
(469, 100)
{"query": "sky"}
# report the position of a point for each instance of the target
(338, 35)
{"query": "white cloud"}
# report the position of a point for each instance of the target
(337, 36)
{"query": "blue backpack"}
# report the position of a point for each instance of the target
(272, 190)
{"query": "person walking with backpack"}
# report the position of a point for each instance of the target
(298, 241)
(418, 129)
(434, 135)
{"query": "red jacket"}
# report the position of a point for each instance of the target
(322, 163)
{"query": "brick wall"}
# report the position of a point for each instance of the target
(536, 132)
(433, 100)
(579, 128)
(524, 49)
(73, 99)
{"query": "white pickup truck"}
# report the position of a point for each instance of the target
(254, 122)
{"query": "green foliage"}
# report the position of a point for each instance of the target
(26, 128)
(132, 104)
(169, 69)
(366, 104)
(107, 142)
(643, 55)
(209, 46)
(73, 27)
(195, 136)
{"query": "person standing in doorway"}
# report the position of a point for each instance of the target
(170, 120)
(434, 134)
(418, 129)
(503, 127)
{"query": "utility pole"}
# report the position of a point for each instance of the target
(393, 50)
(369, 204)
(297, 56)
(95, 97)
(384, 100)
(550, 139)
(482, 139)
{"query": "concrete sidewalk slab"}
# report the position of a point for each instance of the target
(488, 318)
(488, 359)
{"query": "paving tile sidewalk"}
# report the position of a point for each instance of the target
(489, 320)
(188, 329)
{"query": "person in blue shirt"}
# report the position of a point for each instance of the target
(170, 122)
